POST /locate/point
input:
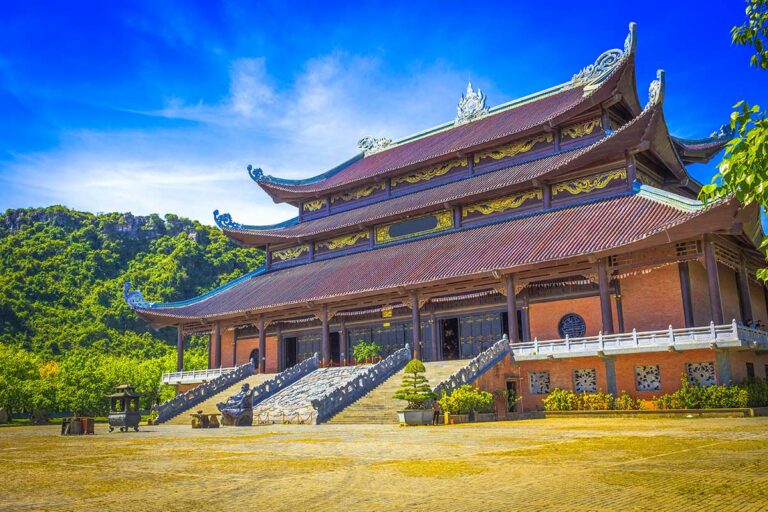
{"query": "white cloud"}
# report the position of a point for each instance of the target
(295, 131)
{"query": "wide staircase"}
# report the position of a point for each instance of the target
(209, 405)
(378, 406)
(294, 403)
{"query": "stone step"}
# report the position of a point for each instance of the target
(209, 406)
(378, 406)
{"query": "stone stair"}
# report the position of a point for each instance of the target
(209, 405)
(294, 403)
(378, 406)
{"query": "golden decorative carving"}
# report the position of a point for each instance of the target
(577, 130)
(503, 203)
(432, 172)
(357, 194)
(290, 253)
(314, 205)
(648, 180)
(590, 183)
(344, 241)
(444, 221)
(515, 148)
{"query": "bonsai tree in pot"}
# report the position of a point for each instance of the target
(415, 390)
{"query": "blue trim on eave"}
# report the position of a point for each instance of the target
(307, 181)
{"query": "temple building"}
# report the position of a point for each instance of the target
(565, 220)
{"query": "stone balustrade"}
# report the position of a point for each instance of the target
(475, 367)
(284, 379)
(192, 397)
(338, 399)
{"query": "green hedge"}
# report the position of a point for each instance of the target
(466, 399)
(564, 400)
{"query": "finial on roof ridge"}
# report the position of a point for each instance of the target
(657, 89)
(370, 145)
(224, 221)
(471, 106)
(607, 61)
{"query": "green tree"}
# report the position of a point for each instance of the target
(744, 169)
(414, 388)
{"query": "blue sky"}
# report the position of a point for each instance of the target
(159, 106)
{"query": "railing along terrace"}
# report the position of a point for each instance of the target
(284, 379)
(335, 401)
(731, 334)
(475, 367)
(192, 376)
(198, 394)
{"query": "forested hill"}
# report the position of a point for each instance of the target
(62, 274)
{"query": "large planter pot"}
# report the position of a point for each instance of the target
(414, 417)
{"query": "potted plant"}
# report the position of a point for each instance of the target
(415, 390)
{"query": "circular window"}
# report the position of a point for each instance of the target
(571, 325)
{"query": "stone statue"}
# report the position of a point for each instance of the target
(238, 409)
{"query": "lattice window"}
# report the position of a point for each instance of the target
(539, 383)
(585, 380)
(572, 325)
(701, 374)
(648, 378)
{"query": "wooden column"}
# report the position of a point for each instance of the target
(179, 347)
(280, 349)
(745, 299)
(326, 343)
(344, 349)
(510, 281)
(433, 319)
(210, 354)
(526, 319)
(619, 306)
(217, 345)
(268, 257)
(605, 296)
(262, 345)
(234, 347)
(713, 281)
(416, 320)
(631, 169)
(685, 292)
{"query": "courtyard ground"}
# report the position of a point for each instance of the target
(554, 464)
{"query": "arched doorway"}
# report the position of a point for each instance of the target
(254, 358)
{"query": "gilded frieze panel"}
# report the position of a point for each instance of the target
(430, 173)
(502, 204)
(582, 129)
(342, 242)
(357, 193)
(418, 226)
(290, 253)
(314, 205)
(589, 183)
(514, 148)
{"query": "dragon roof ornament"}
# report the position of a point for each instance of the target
(371, 145)
(134, 298)
(471, 106)
(656, 90)
(224, 221)
(606, 62)
(255, 173)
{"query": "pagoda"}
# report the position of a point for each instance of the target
(565, 215)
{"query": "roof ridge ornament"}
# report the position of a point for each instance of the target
(224, 221)
(255, 173)
(134, 298)
(471, 106)
(370, 145)
(607, 61)
(656, 90)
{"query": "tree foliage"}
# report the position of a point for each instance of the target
(744, 169)
(414, 388)
(66, 334)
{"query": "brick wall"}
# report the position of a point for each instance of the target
(729, 294)
(246, 345)
(671, 366)
(546, 315)
(758, 302)
(653, 301)
(739, 362)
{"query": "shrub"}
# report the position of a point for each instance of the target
(415, 388)
(626, 403)
(757, 391)
(465, 400)
(561, 400)
(691, 396)
(364, 351)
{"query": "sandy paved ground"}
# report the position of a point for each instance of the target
(557, 464)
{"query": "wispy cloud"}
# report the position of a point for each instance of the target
(296, 130)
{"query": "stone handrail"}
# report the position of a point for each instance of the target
(338, 399)
(190, 398)
(475, 367)
(284, 379)
(689, 337)
(194, 375)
